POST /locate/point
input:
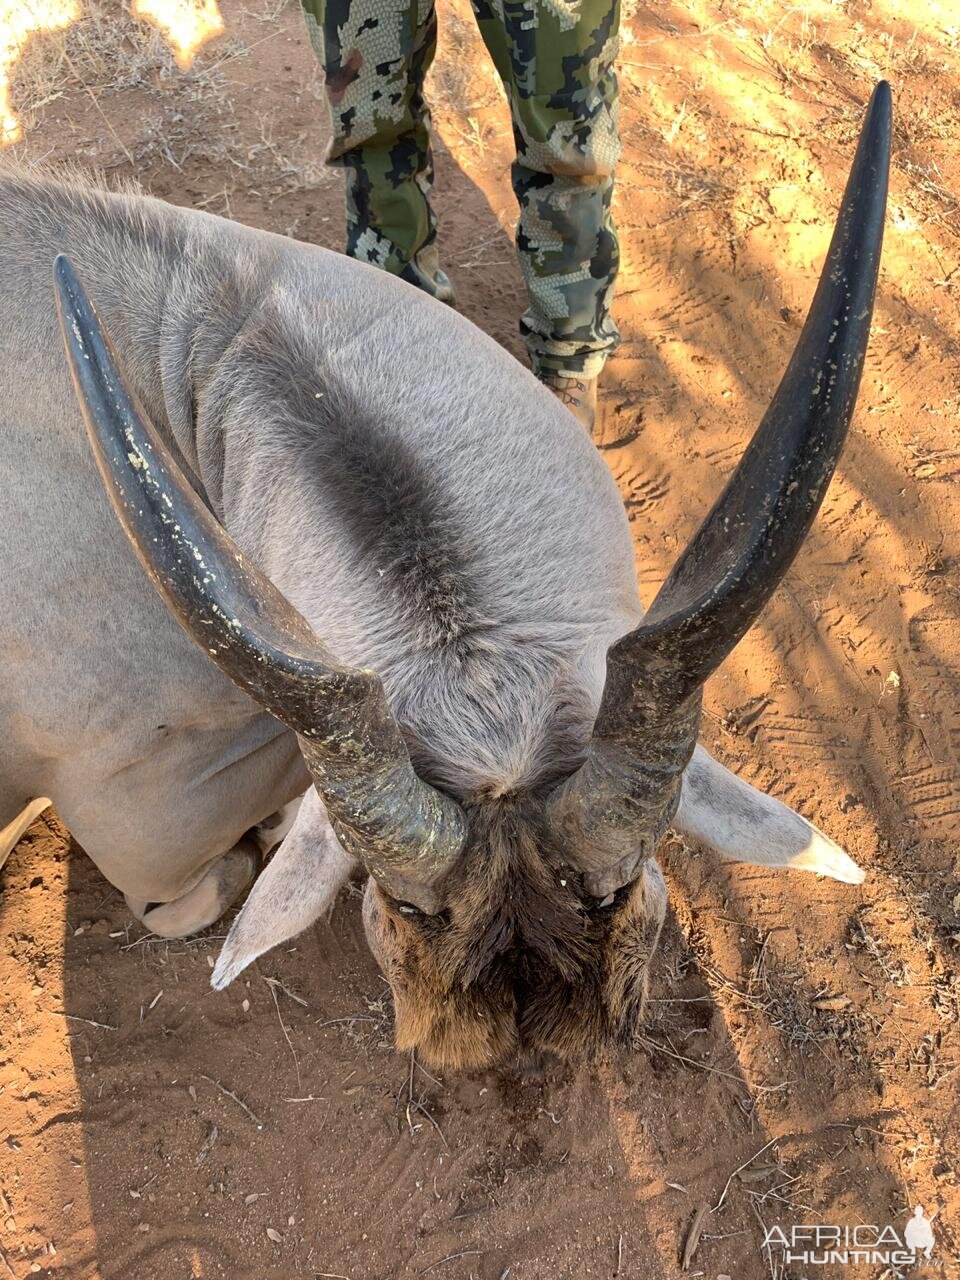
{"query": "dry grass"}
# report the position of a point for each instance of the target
(106, 50)
(184, 120)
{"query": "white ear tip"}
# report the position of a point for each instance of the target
(846, 872)
(224, 972)
(825, 858)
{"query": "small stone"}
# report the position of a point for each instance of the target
(831, 1003)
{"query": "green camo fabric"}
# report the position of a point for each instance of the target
(556, 60)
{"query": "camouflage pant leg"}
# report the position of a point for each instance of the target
(555, 58)
(375, 54)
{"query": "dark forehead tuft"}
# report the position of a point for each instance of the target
(399, 524)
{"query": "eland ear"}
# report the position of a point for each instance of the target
(721, 811)
(297, 887)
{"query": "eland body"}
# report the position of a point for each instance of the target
(410, 581)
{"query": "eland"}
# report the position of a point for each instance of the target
(380, 568)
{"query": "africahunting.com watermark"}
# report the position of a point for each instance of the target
(820, 1244)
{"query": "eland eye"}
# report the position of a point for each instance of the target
(611, 900)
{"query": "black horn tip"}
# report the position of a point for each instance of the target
(70, 294)
(111, 414)
(882, 97)
(85, 339)
(67, 286)
(879, 118)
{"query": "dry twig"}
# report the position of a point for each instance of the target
(693, 1236)
(723, 1196)
(228, 1093)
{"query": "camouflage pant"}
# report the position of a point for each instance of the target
(555, 58)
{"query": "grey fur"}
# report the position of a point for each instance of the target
(431, 509)
(109, 708)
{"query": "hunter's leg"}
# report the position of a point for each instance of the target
(557, 64)
(375, 55)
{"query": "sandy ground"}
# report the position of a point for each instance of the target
(150, 1128)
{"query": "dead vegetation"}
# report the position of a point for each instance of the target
(106, 50)
(186, 119)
